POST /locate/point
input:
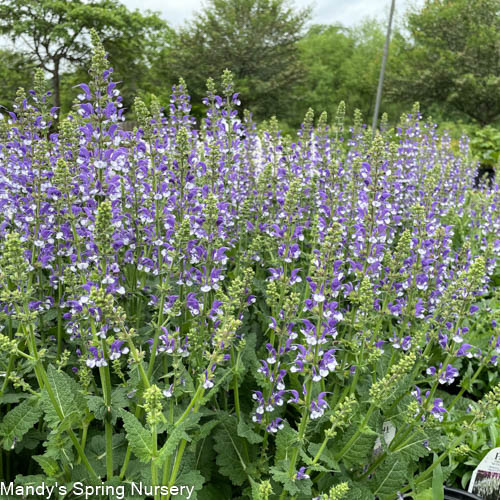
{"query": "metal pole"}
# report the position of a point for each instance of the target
(382, 69)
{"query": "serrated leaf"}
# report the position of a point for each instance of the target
(139, 438)
(415, 449)
(282, 477)
(204, 430)
(33, 479)
(229, 450)
(286, 441)
(59, 447)
(390, 476)
(191, 478)
(96, 452)
(360, 450)
(255, 490)
(326, 455)
(48, 465)
(18, 421)
(357, 492)
(300, 488)
(12, 397)
(249, 354)
(98, 407)
(175, 436)
(246, 431)
(68, 396)
(68, 421)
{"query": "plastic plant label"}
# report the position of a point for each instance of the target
(485, 481)
(388, 431)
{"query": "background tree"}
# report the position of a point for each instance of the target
(255, 39)
(55, 33)
(16, 70)
(342, 64)
(452, 58)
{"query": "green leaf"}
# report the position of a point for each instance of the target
(360, 450)
(98, 407)
(191, 478)
(255, 490)
(59, 446)
(246, 431)
(96, 452)
(424, 495)
(437, 482)
(48, 465)
(175, 436)
(286, 441)
(68, 396)
(229, 449)
(204, 430)
(415, 449)
(12, 397)
(358, 492)
(139, 438)
(301, 488)
(390, 476)
(18, 421)
(282, 477)
(326, 456)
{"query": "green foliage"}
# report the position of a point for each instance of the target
(335, 58)
(175, 436)
(229, 451)
(57, 32)
(438, 482)
(16, 70)
(255, 39)
(98, 407)
(246, 431)
(18, 421)
(286, 441)
(485, 143)
(452, 57)
(68, 397)
(138, 436)
(389, 476)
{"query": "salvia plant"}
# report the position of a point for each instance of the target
(240, 312)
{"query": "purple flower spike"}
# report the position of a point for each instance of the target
(449, 375)
(464, 351)
(275, 425)
(438, 410)
(301, 474)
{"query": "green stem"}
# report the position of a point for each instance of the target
(70, 432)
(154, 348)
(154, 468)
(195, 403)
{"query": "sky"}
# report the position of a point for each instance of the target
(345, 12)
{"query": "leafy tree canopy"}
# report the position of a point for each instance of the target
(453, 57)
(16, 70)
(255, 39)
(55, 33)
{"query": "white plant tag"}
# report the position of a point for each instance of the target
(485, 481)
(389, 431)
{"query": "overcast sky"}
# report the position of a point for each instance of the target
(346, 12)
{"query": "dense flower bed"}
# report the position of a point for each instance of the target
(238, 311)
